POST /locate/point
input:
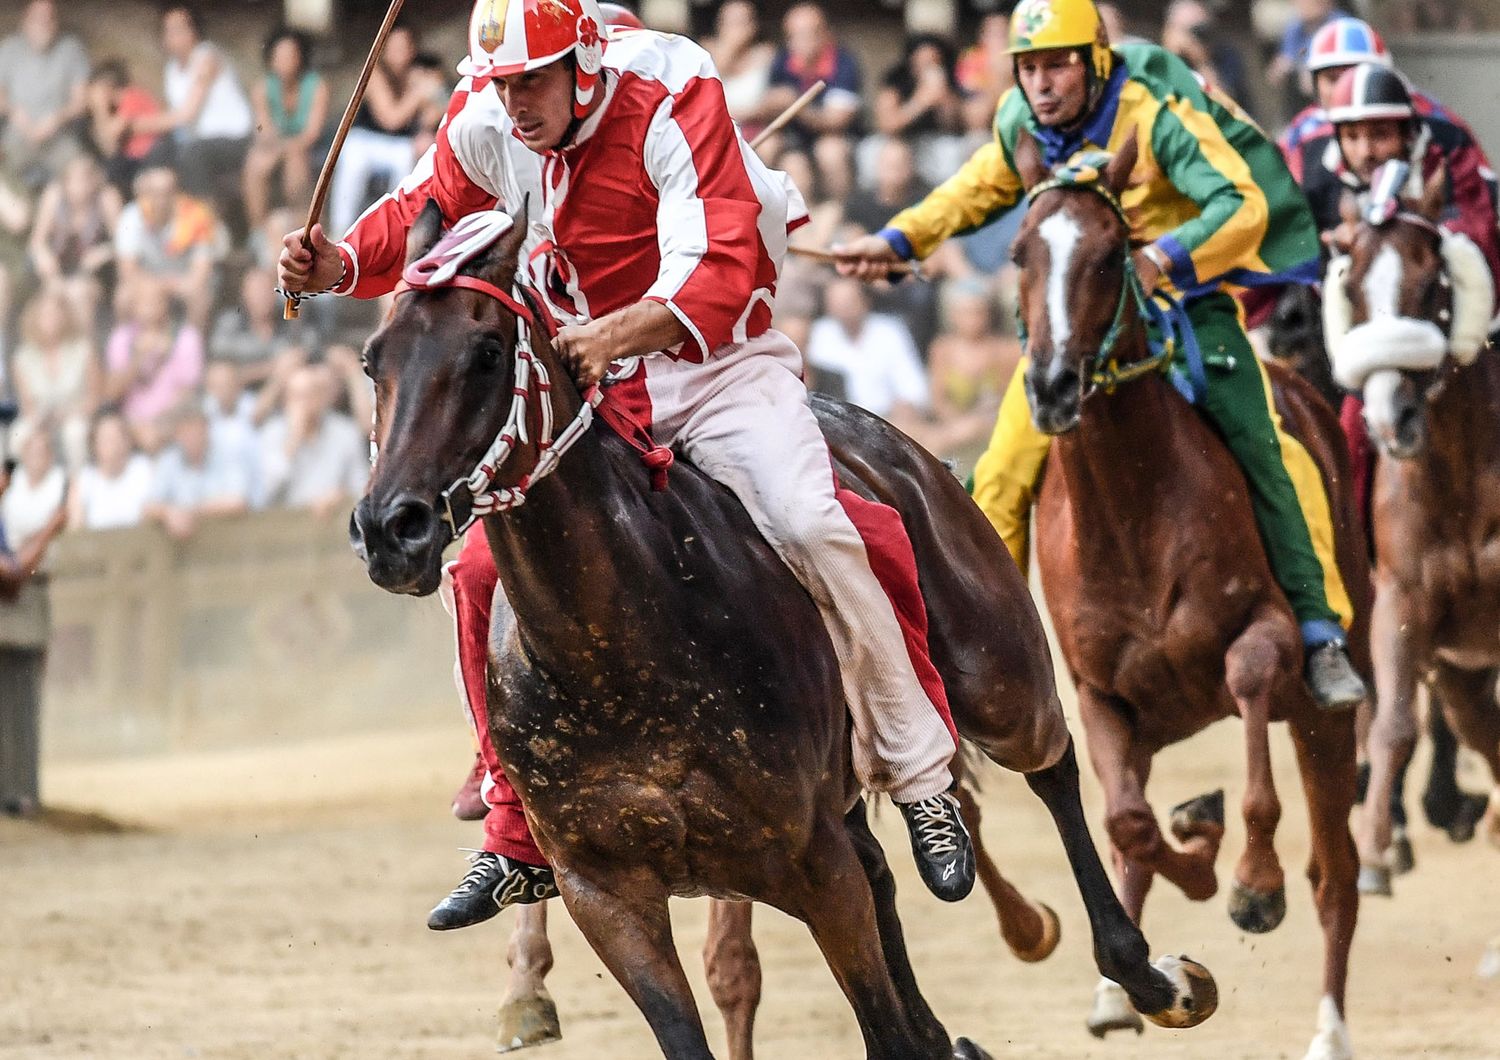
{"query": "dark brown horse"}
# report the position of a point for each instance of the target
(665, 695)
(1164, 603)
(1409, 312)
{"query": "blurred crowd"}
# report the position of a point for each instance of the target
(143, 343)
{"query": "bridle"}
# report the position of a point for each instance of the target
(1161, 312)
(474, 496)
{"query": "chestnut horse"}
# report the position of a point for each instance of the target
(1163, 599)
(664, 693)
(1408, 312)
(1295, 338)
(528, 1016)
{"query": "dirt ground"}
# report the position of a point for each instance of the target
(272, 904)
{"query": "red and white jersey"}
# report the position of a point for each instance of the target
(658, 197)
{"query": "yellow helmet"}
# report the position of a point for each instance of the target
(1040, 25)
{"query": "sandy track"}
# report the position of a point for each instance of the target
(273, 906)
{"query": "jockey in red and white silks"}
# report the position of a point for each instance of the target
(654, 196)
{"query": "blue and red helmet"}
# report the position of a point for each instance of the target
(1346, 42)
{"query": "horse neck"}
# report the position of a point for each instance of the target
(1463, 429)
(569, 556)
(1097, 459)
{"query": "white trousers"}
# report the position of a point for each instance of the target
(743, 419)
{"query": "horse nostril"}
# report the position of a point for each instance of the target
(409, 522)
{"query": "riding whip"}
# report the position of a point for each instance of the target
(325, 178)
(787, 115)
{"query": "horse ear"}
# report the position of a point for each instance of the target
(1028, 160)
(1117, 173)
(1435, 194)
(501, 261)
(425, 232)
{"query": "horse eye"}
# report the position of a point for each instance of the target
(490, 356)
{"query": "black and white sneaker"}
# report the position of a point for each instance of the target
(940, 844)
(492, 883)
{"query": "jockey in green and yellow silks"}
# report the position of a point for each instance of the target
(1213, 208)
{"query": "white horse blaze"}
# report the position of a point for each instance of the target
(1062, 235)
(1380, 403)
(1383, 283)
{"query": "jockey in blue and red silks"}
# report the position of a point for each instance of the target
(657, 237)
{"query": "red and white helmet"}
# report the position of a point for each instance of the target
(511, 36)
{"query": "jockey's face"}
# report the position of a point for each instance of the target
(1056, 84)
(540, 102)
(1324, 82)
(1368, 145)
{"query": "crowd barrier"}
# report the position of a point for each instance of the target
(256, 630)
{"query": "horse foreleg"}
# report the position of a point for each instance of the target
(733, 970)
(1176, 992)
(1031, 931)
(1325, 746)
(1468, 697)
(625, 919)
(1393, 733)
(847, 900)
(528, 1015)
(1253, 665)
(1122, 768)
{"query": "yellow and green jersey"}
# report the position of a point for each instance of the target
(1209, 190)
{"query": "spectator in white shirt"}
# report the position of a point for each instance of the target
(38, 488)
(194, 480)
(230, 408)
(111, 491)
(208, 115)
(310, 456)
(865, 358)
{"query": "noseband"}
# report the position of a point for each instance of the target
(1159, 309)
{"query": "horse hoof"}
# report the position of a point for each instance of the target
(526, 1022)
(1113, 1011)
(1332, 1040)
(1399, 856)
(1466, 818)
(1197, 993)
(1255, 912)
(1375, 881)
(1189, 818)
(963, 1049)
(1051, 935)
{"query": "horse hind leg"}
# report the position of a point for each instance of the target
(1176, 991)
(1325, 745)
(1444, 803)
(1257, 902)
(528, 1015)
(732, 966)
(1031, 930)
(1468, 697)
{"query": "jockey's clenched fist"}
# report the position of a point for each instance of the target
(868, 258)
(303, 271)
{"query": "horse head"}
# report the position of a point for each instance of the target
(451, 362)
(1404, 299)
(1073, 253)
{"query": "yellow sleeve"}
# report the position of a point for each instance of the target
(985, 187)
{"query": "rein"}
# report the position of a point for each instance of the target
(476, 491)
(1164, 313)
